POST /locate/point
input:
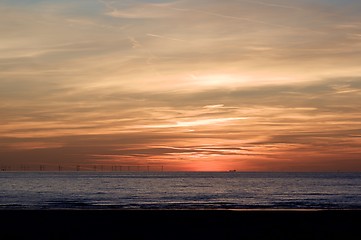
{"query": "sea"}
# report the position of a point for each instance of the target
(179, 190)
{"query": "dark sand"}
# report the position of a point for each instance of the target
(179, 224)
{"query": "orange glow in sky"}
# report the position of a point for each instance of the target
(188, 85)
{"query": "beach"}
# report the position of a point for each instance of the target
(180, 224)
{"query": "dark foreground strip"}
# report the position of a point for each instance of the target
(179, 224)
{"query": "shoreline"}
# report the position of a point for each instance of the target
(183, 224)
(186, 209)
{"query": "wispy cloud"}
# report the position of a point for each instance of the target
(214, 14)
(164, 37)
(136, 10)
(269, 4)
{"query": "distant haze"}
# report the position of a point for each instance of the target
(191, 85)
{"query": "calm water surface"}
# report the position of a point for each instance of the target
(120, 190)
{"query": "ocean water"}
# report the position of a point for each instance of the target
(179, 190)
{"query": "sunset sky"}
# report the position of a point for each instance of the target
(193, 85)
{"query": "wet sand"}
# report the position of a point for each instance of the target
(179, 224)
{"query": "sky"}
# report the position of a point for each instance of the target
(191, 85)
